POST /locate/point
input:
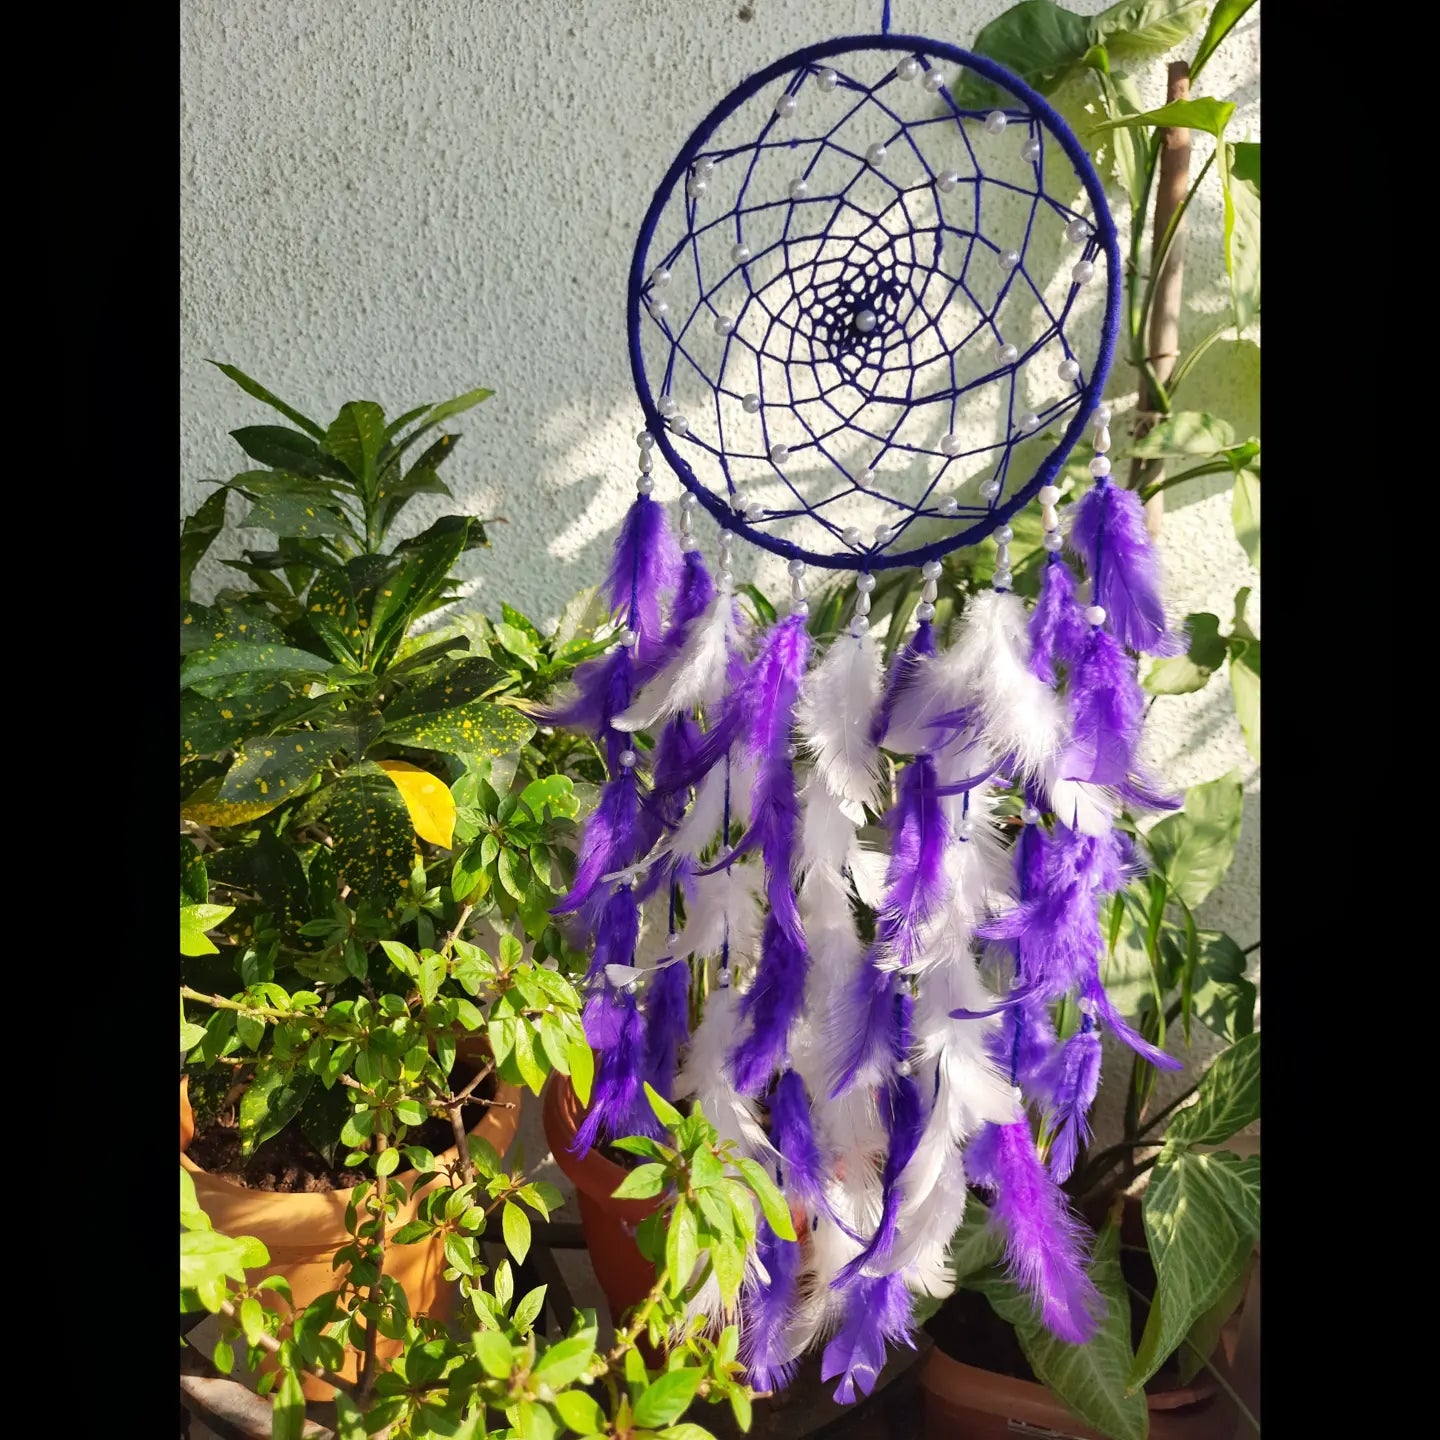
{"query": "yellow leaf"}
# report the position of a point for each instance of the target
(428, 799)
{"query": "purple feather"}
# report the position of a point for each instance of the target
(1058, 629)
(674, 754)
(616, 934)
(863, 1031)
(696, 591)
(667, 1024)
(915, 875)
(771, 1004)
(1024, 1046)
(902, 676)
(608, 843)
(1105, 1009)
(617, 1101)
(877, 1314)
(771, 687)
(1044, 1243)
(1074, 1079)
(904, 1117)
(645, 566)
(767, 1311)
(1107, 710)
(793, 1135)
(603, 687)
(1109, 534)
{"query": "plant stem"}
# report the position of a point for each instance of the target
(379, 1208)
(1210, 467)
(1160, 311)
(263, 1012)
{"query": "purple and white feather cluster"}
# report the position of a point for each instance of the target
(877, 1080)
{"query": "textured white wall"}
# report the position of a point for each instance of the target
(400, 201)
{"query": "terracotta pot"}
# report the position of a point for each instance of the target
(963, 1402)
(303, 1232)
(623, 1272)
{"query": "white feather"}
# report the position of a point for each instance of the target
(922, 1249)
(701, 823)
(837, 705)
(723, 907)
(988, 668)
(696, 675)
(706, 1076)
(867, 874)
(827, 827)
(1079, 805)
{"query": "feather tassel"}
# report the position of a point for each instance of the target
(877, 1315)
(1058, 629)
(836, 715)
(667, 1024)
(766, 1342)
(644, 566)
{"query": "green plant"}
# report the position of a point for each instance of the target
(456, 1387)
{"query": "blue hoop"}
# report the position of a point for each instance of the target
(1090, 394)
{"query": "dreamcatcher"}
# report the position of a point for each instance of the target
(867, 326)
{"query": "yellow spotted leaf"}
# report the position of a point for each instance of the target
(205, 807)
(476, 730)
(374, 839)
(429, 801)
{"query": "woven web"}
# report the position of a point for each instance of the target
(861, 327)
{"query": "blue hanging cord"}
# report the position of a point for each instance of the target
(885, 18)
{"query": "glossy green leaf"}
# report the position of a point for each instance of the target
(1146, 29)
(668, 1398)
(579, 1411)
(1228, 1098)
(355, 436)
(294, 516)
(278, 766)
(284, 449)
(271, 1101)
(642, 1183)
(1242, 236)
(1202, 1219)
(197, 534)
(1036, 39)
(1204, 1335)
(1202, 113)
(473, 731)
(227, 659)
(565, 1362)
(195, 920)
(515, 1226)
(557, 792)
(255, 388)
(374, 841)
(772, 1202)
(447, 687)
(1224, 999)
(1183, 674)
(582, 1069)
(1193, 849)
(1223, 19)
(1245, 686)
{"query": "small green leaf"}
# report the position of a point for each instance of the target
(515, 1225)
(277, 767)
(642, 1183)
(1193, 850)
(255, 388)
(565, 1361)
(1185, 432)
(772, 1202)
(1223, 19)
(582, 1068)
(665, 1112)
(668, 1398)
(1183, 674)
(355, 436)
(494, 1353)
(271, 1101)
(473, 731)
(1245, 687)
(579, 1411)
(1245, 514)
(197, 534)
(289, 1411)
(1201, 113)
(529, 1308)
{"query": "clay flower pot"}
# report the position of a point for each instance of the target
(302, 1232)
(623, 1272)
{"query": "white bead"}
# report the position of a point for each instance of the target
(1008, 354)
(1069, 369)
(688, 501)
(882, 534)
(904, 1068)
(947, 181)
(1030, 815)
(779, 454)
(1002, 557)
(628, 639)
(659, 278)
(799, 188)
(791, 751)
(866, 321)
(750, 404)
(930, 570)
(796, 567)
(696, 186)
(1102, 439)
(1049, 518)
(704, 166)
(659, 308)
(799, 607)
(1009, 259)
(723, 324)
(995, 122)
(1077, 231)
(851, 534)
(678, 424)
(667, 406)
(859, 624)
(1003, 579)
(1028, 422)
(929, 590)
(924, 611)
(1049, 495)
(990, 489)
(966, 828)
(645, 484)
(951, 444)
(1003, 535)
(673, 938)
(865, 583)
(1053, 540)
(1100, 466)
(628, 758)
(875, 153)
(754, 510)
(740, 253)
(785, 106)
(826, 78)
(1082, 272)
(1030, 150)
(647, 461)
(862, 604)
(934, 81)
(1095, 614)
(949, 506)
(908, 68)
(723, 979)
(867, 477)
(644, 439)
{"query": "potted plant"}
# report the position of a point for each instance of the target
(348, 784)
